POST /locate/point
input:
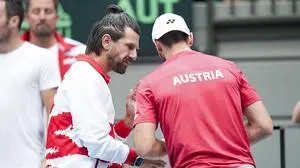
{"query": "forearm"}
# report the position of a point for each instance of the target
(158, 149)
(110, 150)
(255, 134)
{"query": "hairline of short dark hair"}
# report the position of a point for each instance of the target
(173, 37)
(114, 23)
(14, 8)
(27, 5)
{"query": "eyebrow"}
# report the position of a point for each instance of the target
(132, 44)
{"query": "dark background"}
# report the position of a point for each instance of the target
(85, 14)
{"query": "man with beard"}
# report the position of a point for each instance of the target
(28, 83)
(81, 130)
(199, 101)
(42, 17)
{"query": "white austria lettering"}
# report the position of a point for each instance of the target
(197, 77)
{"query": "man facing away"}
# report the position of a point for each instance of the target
(199, 101)
(42, 17)
(28, 83)
(81, 130)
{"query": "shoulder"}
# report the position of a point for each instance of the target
(218, 60)
(221, 62)
(83, 74)
(35, 52)
(29, 47)
(72, 41)
(79, 47)
(82, 70)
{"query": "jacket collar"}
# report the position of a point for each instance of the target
(63, 45)
(95, 65)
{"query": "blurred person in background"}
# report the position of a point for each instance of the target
(28, 82)
(199, 101)
(296, 113)
(81, 130)
(42, 17)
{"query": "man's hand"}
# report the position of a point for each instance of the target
(130, 108)
(148, 163)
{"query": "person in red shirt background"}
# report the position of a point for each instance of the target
(199, 101)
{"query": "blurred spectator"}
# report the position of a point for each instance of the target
(28, 83)
(42, 16)
(296, 113)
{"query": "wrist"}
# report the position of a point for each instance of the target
(131, 157)
(121, 129)
(138, 161)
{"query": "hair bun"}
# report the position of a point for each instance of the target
(112, 8)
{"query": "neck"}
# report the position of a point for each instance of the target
(44, 41)
(11, 44)
(176, 48)
(102, 61)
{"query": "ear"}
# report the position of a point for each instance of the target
(158, 46)
(106, 41)
(14, 21)
(190, 40)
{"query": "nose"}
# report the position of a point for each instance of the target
(42, 15)
(133, 54)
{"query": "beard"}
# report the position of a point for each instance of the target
(4, 36)
(117, 65)
(120, 68)
(43, 30)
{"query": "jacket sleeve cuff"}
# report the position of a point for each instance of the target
(121, 129)
(132, 155)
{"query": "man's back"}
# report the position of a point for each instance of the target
(198, 104)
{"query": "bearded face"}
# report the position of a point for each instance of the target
(42, 17)
(5, 33)
(119, 61)
(43, 29)
(123, 51)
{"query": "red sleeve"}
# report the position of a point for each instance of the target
(145, 104)
(121, 129)
(248, 93)
(132, 155)
(114, 165)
